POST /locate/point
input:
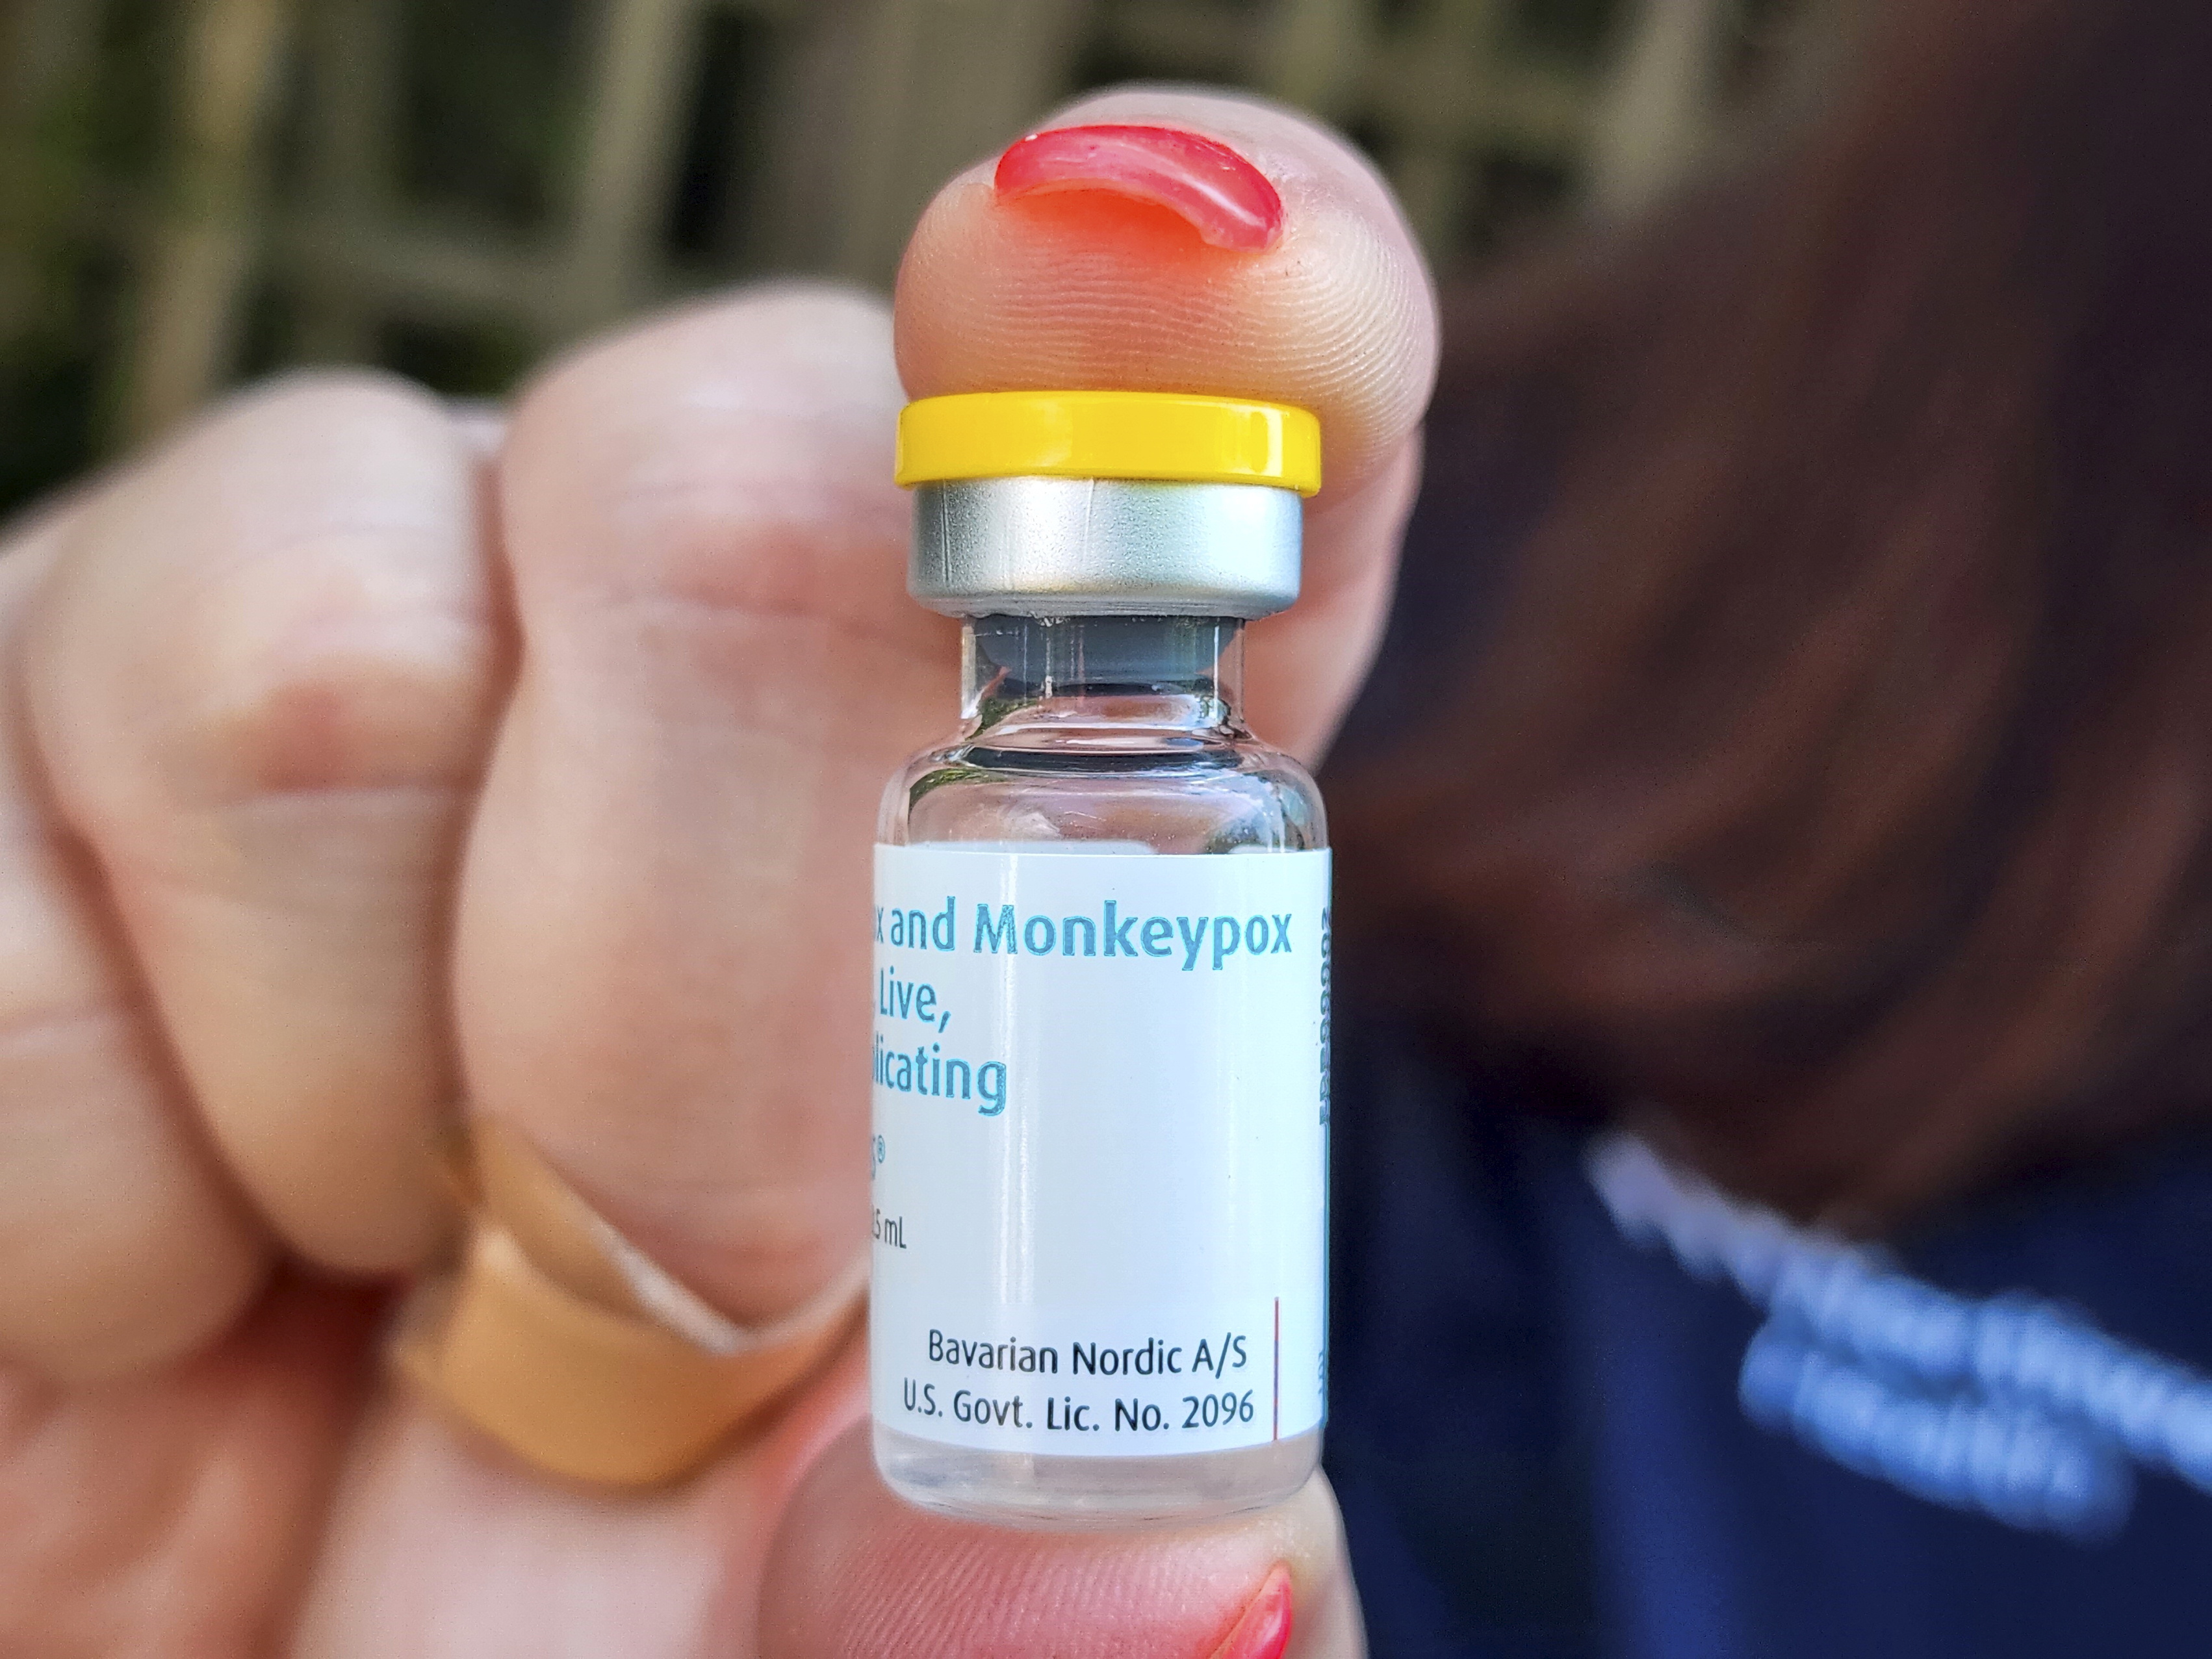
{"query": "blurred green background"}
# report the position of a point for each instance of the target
(193, 192)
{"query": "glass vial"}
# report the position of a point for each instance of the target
(1100, 1043)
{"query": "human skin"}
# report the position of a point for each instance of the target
(361, 757)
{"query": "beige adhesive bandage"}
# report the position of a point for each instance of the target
(556, 1337)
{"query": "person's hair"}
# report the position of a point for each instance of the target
(1800, 713)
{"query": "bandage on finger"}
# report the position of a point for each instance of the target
(556, 1337)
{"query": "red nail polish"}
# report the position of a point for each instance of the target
(1264, 1631)
(1226, 199)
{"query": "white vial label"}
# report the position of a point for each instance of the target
(1100, 1148)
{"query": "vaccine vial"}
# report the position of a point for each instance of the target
(1101, 989)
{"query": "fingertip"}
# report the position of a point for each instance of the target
(854, 1569)
(1147, 259)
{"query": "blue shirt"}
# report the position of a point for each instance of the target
(1535, 1435)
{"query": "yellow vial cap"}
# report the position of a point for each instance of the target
(1170, 437)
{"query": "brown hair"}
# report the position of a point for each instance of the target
(1803, 715)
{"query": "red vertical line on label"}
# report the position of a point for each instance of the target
(1277, 1433)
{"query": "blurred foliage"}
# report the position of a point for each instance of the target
(123, 107)
(481, 129)
(492, 92)
(51, 377)
(476, 359)
(725, 144)
(94, 139)
(1579, 29)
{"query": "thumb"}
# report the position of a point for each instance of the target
(853, 1570)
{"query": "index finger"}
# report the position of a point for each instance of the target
(1093, 267)
(1268, 261)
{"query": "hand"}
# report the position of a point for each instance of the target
(360, 758)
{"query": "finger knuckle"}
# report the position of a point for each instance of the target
(709, 454)
(293, 598)
(324, 679)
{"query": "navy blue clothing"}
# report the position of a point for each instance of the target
(1535, 1437)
